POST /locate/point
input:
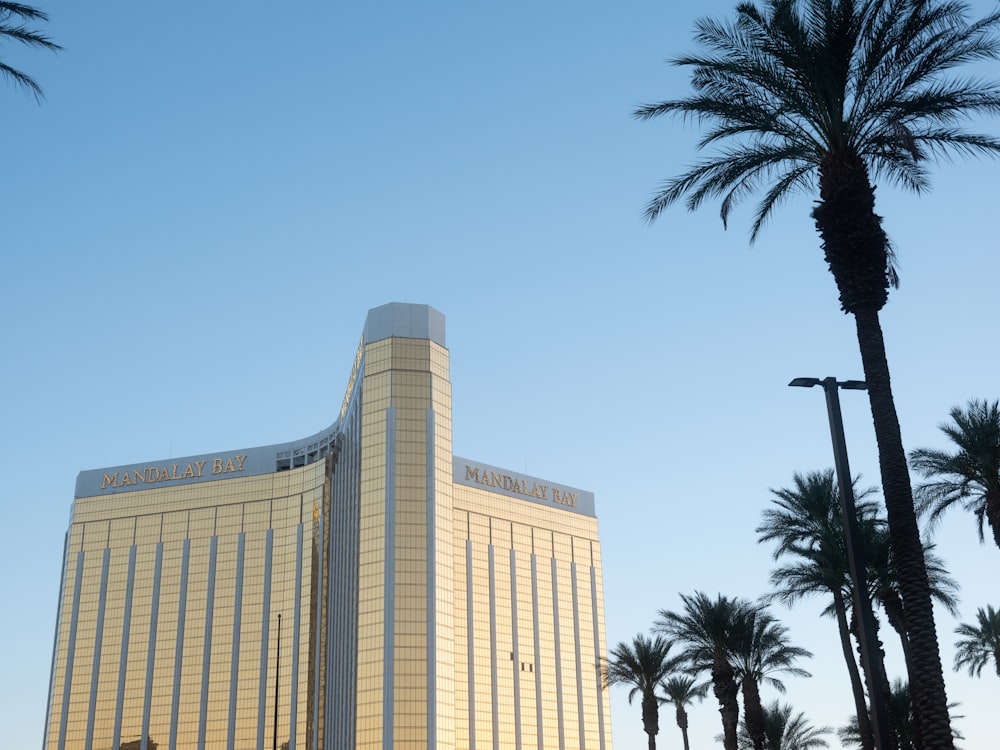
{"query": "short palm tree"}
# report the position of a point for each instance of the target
(805, 521)
(14, 18)
(822, 96)
(682, 690)
(970, 476)
(883, 581)
(642, 665)
(759, 650)
(980, 643)
(786, 732)
(706, 630)
(902, 720)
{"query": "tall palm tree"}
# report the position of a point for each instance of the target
(706, 630)
(970, 476)
(759, 649)
(14, 18)
(681, 691)
(642, 665)
(980, 643)
(786, 732)
(803, 94)
(805, 520)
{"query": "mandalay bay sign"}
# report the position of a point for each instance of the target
(512, 484)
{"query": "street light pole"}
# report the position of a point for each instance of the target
(855, 555)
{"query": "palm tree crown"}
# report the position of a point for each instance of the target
(971, 475)
(980, 644)
(14, 18)
(706, 630)
(642, 665)
(681, 690)
(785, 87)
(759, 649)
(787, 732)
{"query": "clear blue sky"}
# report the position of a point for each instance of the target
(212, 196)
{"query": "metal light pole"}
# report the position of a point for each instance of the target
(855, 554)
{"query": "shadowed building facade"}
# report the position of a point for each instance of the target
(361, 588)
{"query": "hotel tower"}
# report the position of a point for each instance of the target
(360, 589)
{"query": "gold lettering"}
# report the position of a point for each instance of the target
(216, 465)
(200, 465)
(496, 480)
(188, 472)
(469, 474)
(110, 481)
(239, 461)
(556, 498)
(230, 466)
(164, 474)
(126, 482)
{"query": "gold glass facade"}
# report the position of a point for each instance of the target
(422, 601)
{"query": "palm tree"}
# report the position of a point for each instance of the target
(979, 645)
(883, 581)
(970, 476)
(786, 732)
(13, 27)
(827, 93)
(642, 665)
(760, 649)
(902, 720)
(805, 520)
(682, 691)
(706, 629)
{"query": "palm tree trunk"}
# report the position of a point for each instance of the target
(897, 619)
(930, 701)
(650, 717)
(724, 687)
(857, 688)
(682, 722)
(753, 712)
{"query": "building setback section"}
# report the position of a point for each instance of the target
(422, 600)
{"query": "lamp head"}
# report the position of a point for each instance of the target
(805, 382)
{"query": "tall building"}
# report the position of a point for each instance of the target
(362, 588)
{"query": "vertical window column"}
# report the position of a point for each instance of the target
(207, 651)
(92, 709)
(597, 650)
(179, 648)
(470, 630)
(123, 661)
(579, 665)
(154, 612)
(297, 624)
(558, 654)
(234, 664)
(265, 624)
(517, 650)
(71, 649)
(539, 697)
(389, 601)
(493, 652)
